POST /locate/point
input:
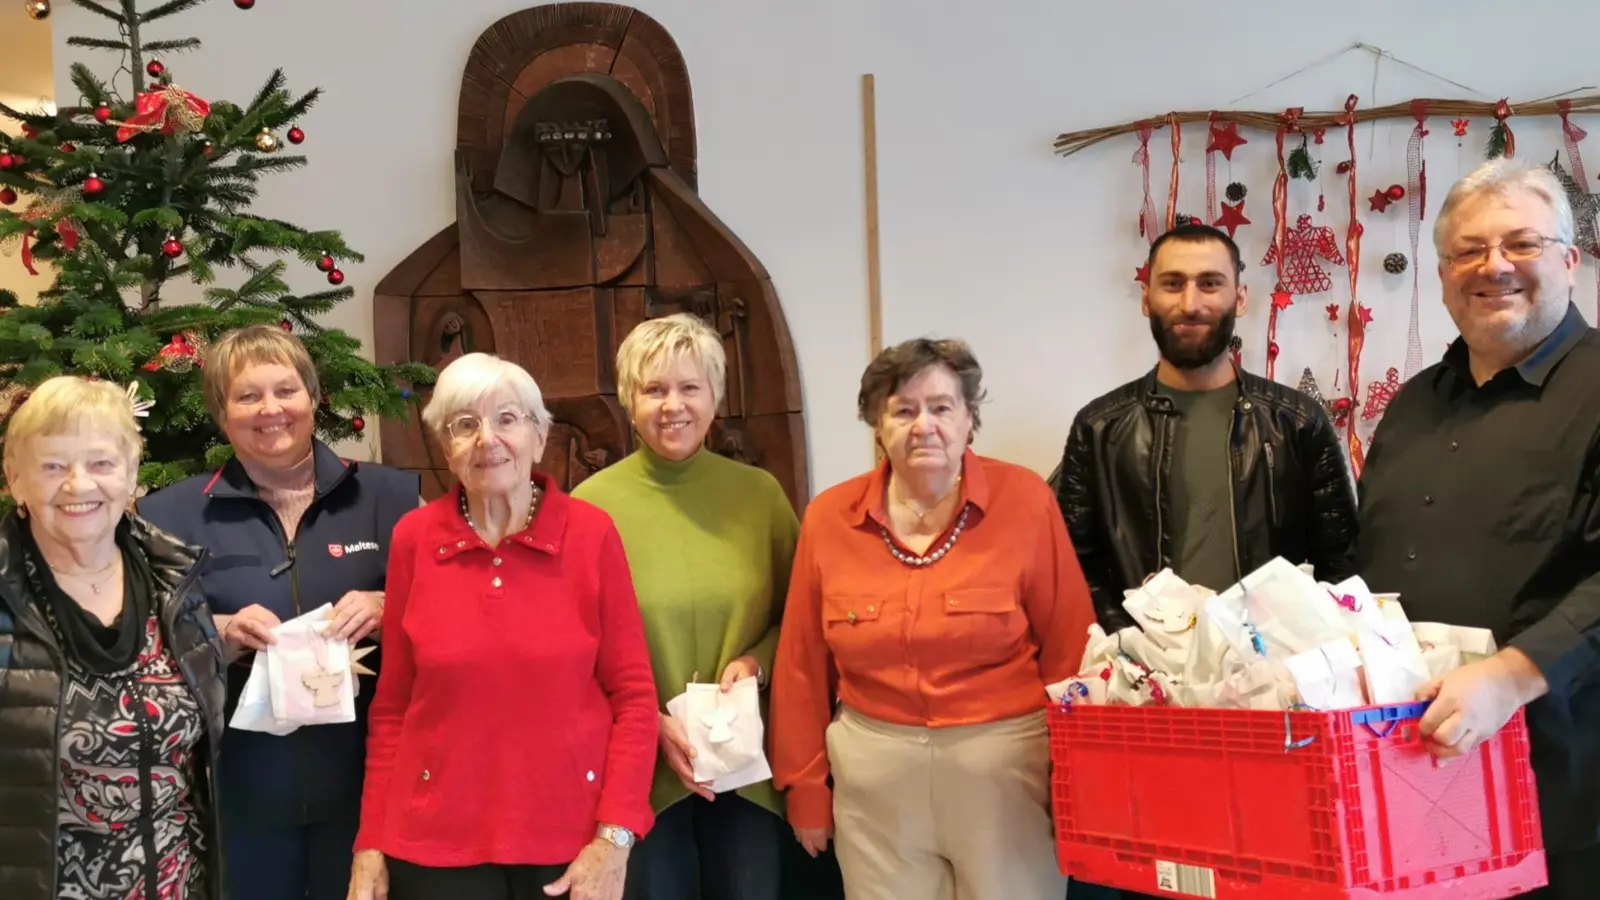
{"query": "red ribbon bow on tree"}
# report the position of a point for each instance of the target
(168, 110)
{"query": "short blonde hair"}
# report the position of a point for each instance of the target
(253, 345)
(471, 377)
(70, 404)
(656, 342)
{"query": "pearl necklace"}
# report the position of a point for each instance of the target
(533, 506)
(935, 556)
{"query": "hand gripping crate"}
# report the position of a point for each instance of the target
(1254, 805)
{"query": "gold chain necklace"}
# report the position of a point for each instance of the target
(922, 517)
(89, 576)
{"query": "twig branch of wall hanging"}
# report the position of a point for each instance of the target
(1071, 142)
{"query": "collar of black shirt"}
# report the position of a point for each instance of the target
(1540, 363)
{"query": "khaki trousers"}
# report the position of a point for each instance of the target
(957, 813)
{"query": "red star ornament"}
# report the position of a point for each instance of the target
(1142, 274)
(1232, 217)
(1380, 201)
(1224, 138)
(1365, 314)
(1282, 299)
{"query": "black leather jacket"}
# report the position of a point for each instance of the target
(1292, 491)
(30, 702)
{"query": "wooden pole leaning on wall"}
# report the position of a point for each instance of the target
(869, 149)
(869, 136)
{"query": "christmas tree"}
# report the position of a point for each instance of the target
(131, 194)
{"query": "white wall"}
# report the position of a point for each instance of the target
(986, 234)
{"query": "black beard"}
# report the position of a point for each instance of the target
(1193, 356)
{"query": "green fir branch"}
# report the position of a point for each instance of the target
(1497, 142)
(272, 88)
(100, 10)
(173, 7)
(89, 84)
(98, 44)
(179, 45)
(298, 108)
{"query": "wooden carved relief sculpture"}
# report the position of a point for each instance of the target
(576, 219)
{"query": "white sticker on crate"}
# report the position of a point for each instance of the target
(1196, 881)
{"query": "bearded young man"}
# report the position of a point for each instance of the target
(1197, 465)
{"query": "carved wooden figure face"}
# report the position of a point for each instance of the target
(674, 407)
(493, 445)
(269, 415)
(926, 425)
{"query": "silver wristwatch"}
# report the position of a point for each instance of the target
(616, 835)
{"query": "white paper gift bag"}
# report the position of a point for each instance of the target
(726, 732)
(1392, 663)
(1167, 609)
(1276, 612)
(1328, 676)
(254, 712)
(309, 673)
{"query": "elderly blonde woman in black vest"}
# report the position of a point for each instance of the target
(111, 687)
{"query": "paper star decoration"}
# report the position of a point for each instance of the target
(1282, 299)
(1224, 138)
(1232, 217)
(1142, 274)
(355, 657)
(1365, 313)
(1380, 201)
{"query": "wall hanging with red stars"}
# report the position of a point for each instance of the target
(1227, 129)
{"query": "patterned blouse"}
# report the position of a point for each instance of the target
(127, 762)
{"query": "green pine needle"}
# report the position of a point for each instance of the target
(1497, 142)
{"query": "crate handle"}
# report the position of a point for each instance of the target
(1387, 716)
(1289, 743)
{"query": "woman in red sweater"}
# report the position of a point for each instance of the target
(513, 733)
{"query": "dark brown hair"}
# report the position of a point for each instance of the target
(906, 360)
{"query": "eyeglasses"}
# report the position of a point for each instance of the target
(1518, 249)
(467, 426)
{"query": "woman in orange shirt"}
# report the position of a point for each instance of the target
(932, 598)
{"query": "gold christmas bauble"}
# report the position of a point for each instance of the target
(266, 141)
(37, 9)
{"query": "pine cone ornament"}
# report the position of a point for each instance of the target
(1395, 263)
(1235, 192)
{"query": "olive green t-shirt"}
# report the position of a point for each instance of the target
(1202, 522)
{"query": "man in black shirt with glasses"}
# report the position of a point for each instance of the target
(1480, 500)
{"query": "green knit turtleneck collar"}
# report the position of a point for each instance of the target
(665, 471)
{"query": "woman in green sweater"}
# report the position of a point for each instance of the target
(710, 541)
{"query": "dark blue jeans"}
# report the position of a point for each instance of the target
(292, 862)
(727, 849)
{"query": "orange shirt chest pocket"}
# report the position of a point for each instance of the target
(984, 625)
(864, 632)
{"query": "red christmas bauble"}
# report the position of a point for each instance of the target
(68, 147)
(1272, 350)
(358, 423)
(7, 161)
(286, 325)
(296, 135)
(1395, 192)
(93, 185)
(28, 131)
(172, 248)
(336, 277)
(7, 196)
(244, 4)
(1343, 168)
(155, 68)
(326, 263)
(207, 149)
(102, 114)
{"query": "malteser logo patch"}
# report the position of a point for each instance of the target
(338, 550)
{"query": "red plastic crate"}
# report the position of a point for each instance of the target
(1253, 805)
